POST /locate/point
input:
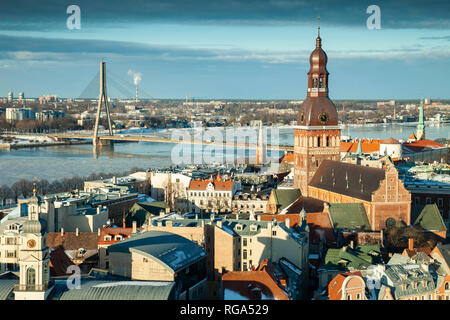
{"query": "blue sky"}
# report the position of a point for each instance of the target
(254, 49)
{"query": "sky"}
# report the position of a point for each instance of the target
(235, 49)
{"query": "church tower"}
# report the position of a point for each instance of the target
(317, 134)
(34, 256)
(421, 124)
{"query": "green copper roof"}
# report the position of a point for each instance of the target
(430, 219)
(285, 197)
(359, 150)
(349, 216)
(347, 258)
(140, 211)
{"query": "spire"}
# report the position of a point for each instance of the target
(421, 124)
(359, 150)
(318, 39)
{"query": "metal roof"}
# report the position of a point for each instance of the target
(120, 290)
(171, 250)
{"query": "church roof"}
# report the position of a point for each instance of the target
(348, 179)
(390, 141)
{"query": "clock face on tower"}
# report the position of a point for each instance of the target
(31, 243)
(323, 117)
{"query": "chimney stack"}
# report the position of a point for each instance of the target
(352, 244)
(98, 232)
(98, 209)
(77, 232)
(134, 227)
(237, 216)
(287, 222)
(411, 244)
(62, 232)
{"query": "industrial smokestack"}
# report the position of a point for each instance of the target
(137, 77)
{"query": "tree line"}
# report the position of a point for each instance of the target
(24, 188)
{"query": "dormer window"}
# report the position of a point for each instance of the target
(108, 238)
(118, 238)
(253, 227)
(239, 227)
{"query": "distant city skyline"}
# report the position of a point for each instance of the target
(235, 50)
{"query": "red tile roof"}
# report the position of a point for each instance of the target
(124, 232)
(287, 158)
(218, 185)
(245, 283)
(335, 285)
(367, 146)
(320, 226)
(390, 141)
(419, 145)
(59, 262)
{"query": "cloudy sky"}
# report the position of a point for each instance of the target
(251, 49)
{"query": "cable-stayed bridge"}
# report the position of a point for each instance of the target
(119, 87)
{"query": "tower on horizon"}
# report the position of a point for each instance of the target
(317, 134)
(102, 99)
(421, 124)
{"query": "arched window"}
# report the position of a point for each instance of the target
(315, 83)
(320, 82)
(31, 277)
(327, 141)
(447, 286)
(318, 141)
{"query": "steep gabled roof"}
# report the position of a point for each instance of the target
(348, 179)
(430, 219)
(285, 197)
(349, 216)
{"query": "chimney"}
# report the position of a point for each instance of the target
(287, 222)
(77, 232)
(237, 216)
(410, 244)
(62, 232)
(258, 217)
(352, 244)
(196, 216)
(134, 227)
(169, 223)
(219, 224)
(123, 223)
(98, 209)
(98, 231)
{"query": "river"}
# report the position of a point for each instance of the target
(66, 161)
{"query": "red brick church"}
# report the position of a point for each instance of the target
(318, 172)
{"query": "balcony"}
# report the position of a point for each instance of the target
(25, 287)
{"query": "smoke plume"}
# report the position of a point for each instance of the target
(137, 76)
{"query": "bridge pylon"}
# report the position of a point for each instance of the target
(102, 100)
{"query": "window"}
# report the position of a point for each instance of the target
(358, 296)
(447, 285)
(244, 241)
(244, 266)
(244, 254)
(274, 233)
(416, 200)
(428, 201)
(31, 277)
(440, 202)
(144, 260)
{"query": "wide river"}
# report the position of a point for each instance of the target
(66, 161)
